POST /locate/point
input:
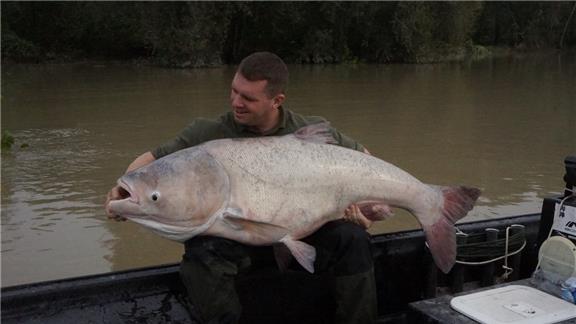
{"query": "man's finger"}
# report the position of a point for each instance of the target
(361, 219)
(107, 204)
(366, 223)
(113, 194)
(354, 214)
(115, 217)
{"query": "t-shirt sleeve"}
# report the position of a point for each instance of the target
(346, 141)
(175, 144)
(199, 131)
(343, 140)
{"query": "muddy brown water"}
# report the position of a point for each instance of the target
(504, 125)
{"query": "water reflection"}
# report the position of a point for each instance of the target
(503, 125)
(46, 208)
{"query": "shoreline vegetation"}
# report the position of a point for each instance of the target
(204, 34)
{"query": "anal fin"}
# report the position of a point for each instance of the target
(304, 253)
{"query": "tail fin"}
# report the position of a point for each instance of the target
(440, 234)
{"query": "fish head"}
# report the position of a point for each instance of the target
(175, 196)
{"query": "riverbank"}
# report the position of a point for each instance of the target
(203, 34)
(467, 54)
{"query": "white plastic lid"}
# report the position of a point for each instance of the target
(514, 304)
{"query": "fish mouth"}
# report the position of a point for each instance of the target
(127, 193)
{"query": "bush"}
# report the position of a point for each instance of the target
(18, 49)
(430, 32)
(209, 33)
(7, 140)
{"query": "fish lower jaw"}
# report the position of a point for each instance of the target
(126, 208)
(169, 231)
(156, 221)
(129, 200)
(133, 217)
(123, 204)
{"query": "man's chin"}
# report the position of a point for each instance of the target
(242, 119)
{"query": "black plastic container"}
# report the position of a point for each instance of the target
(570, 176)
(565, 226)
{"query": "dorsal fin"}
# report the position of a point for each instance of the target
(316, 133)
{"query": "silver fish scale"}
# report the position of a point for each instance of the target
(300, 185)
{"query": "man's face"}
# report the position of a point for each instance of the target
(250, 102)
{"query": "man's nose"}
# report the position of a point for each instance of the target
(236, 101)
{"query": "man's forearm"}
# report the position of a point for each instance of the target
(141, 161)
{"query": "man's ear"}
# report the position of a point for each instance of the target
(279, 100)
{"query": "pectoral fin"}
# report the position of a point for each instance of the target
(254, 232)
(304, 253)
(260, 233)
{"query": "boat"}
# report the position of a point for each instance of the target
(404, 271)
(155, 295)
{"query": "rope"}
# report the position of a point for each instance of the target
(507, 269)
(491, 249)
(505, 256)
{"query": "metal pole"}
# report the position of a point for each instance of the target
(457, 284)
(487, 278)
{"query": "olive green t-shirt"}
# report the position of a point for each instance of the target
(203, 130)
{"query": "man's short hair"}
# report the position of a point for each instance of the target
(266, 66)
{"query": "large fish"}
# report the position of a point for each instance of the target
(279, 189)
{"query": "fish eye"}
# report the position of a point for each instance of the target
(155, 196)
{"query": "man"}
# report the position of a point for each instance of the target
(210, 264)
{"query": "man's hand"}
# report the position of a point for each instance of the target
(114, 194)
(354, 214)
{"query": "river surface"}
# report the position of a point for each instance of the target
(504, 125)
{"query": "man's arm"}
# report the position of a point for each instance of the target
(115, 194)
(353, 213)
(141, 161)
(198, 131)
